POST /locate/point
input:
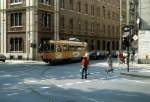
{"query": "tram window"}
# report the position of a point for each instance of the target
(58, 49)
(79, 48)
(51, 47)
(65, 48)
(45, 47)
(73, 48)
(84, 48)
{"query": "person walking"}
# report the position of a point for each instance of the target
(84, 66)
(109, 61)
(132, 58)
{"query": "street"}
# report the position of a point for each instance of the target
(39, 82)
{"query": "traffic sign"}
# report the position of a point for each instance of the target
(135, 37)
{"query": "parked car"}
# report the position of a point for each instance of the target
(2, 58)
(96, 55)
(114, 54)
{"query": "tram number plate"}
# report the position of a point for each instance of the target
(76, 54)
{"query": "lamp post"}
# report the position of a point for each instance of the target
(120, 39)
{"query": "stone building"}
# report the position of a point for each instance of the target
(26, 24)
(144, 32)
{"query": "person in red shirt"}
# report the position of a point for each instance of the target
(84, 66)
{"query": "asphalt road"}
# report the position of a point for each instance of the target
(39, 82)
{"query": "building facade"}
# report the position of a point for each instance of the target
(144, 32)
(26, 24)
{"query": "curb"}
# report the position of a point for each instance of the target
(136, 75)
(24, 62)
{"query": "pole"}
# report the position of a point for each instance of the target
(28, 35)
(3, 26)
(56, 20)
(120, 40)
(128, 48)
(128, 55)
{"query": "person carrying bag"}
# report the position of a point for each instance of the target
(84, 66)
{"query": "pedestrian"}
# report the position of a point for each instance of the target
(110, 62)
(132, 58)
(120, 57)
(84, 67)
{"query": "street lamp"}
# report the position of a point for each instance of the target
(120, 40)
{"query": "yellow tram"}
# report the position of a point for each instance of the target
(63, 50)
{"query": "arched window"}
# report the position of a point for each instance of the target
(103, 45)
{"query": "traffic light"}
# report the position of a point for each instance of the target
(126, 42)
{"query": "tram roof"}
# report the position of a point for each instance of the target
(66, 42)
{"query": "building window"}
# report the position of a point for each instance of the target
(117, 45)
(109, 32)
(109, 14)
(15, 1)
(16, 44)
(92, 10)
(98, 28)
(62, 3)
(62, 22)
(92, 27)
(113, 45)
(98, 45)
(45, 1)
(79, 26)
(86, 8)
(71, 4)
(92, 44)
(104, 29)
(104, 11)
(113, 30)
(16, 19)
(98, 11)
(71, 24)
(79, 6)
(46, 20)
(86, 26)
(104, 45)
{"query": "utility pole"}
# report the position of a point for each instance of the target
(120, 40)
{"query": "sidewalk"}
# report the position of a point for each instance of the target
(144, 72)
(137, 74)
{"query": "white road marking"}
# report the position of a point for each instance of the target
(45, 87)
(68, 84)
(6, 84)
(32, 81)
(79, 82)
(97, 72)
(12, 94)
(87, 81)
(43, 80)
(62, 77)
(59, 85)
